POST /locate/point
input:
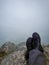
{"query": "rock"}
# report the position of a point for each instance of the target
(15, 58)
(8, 47)
(46, 52)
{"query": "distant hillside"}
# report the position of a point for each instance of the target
(8, 47)
(21, 46)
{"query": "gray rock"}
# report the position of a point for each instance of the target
(15, 58)
(8, 47)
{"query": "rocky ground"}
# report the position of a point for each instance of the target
(46, 49)
(16, 57)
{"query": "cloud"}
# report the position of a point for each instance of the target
(20, 18)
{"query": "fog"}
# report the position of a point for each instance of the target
(20, 18)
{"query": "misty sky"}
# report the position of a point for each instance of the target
(20, 18)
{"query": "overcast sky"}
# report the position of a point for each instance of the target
(20, 18)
